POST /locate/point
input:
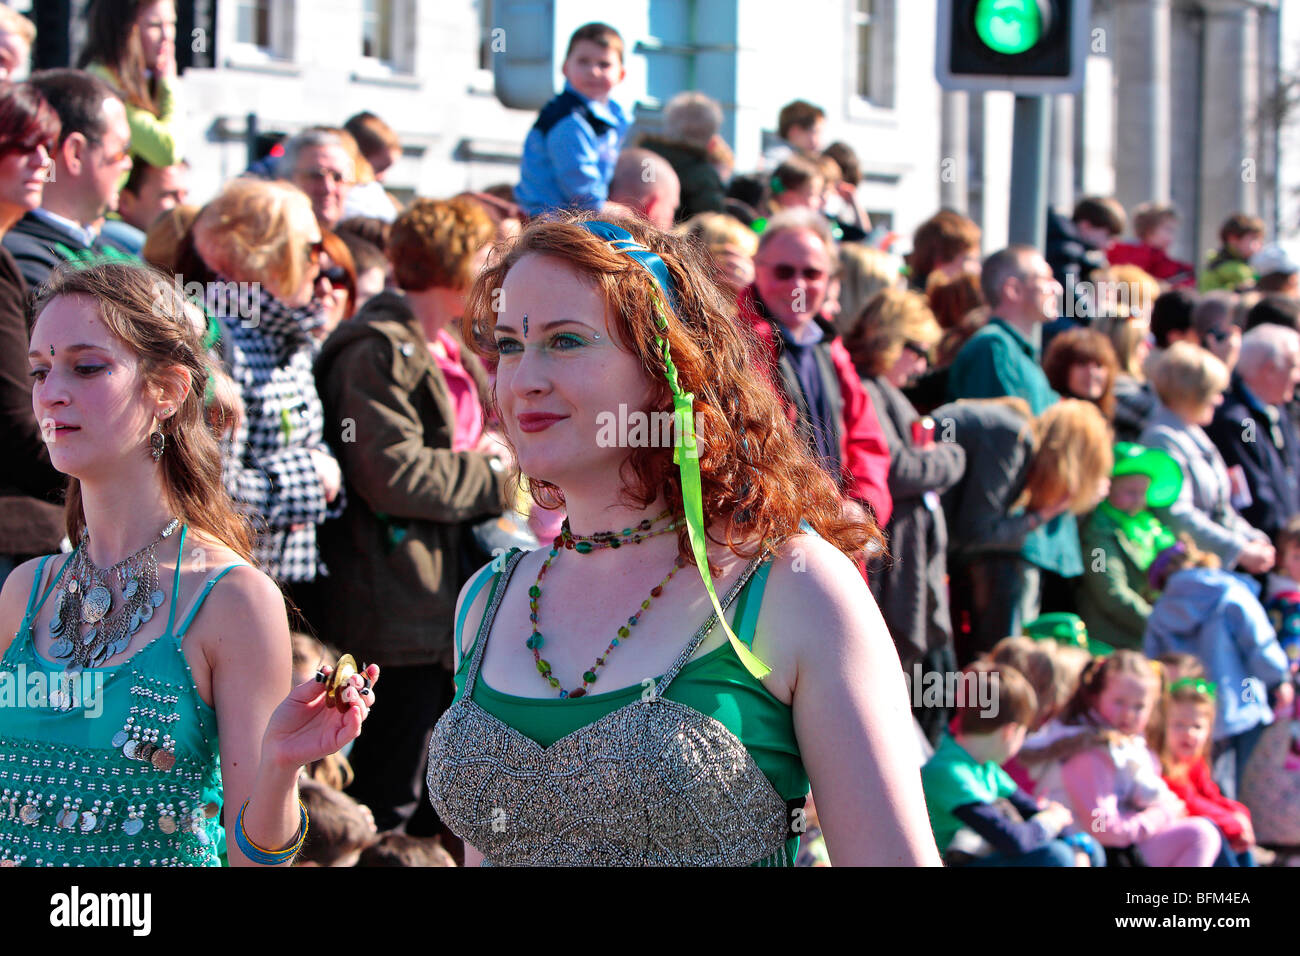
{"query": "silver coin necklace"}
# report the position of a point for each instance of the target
(86, 600)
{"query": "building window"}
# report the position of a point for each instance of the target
(253, 23)
(873, 50)
(377, 30)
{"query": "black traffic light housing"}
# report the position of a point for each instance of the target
(1054, 64)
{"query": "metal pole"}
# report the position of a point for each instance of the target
(250, 138)
(1028, 220)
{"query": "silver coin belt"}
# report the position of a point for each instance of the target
(61, 805)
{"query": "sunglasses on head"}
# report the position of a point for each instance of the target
(784, 273)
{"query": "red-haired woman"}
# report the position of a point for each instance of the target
(29, 522)
(156, 625)
(702, 748)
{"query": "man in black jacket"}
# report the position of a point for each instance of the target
(90, 159)
(1253, 430)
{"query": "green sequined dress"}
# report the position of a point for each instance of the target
(69, 793)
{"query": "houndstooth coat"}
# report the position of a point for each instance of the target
(268, 466)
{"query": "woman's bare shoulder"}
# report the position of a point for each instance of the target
(816, 599)
(245, 610)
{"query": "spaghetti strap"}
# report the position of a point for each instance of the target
(203, 596)
(479, 582)
(751, 602)
(36, 588)
(176, 580)
(500, 582)
(671, 674)
(40, 572)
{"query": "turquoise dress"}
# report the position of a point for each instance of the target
(69, 794)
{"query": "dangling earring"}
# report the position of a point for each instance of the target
(158, 441)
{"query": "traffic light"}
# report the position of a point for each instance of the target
(1030, 47)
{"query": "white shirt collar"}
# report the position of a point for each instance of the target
(77, 229)
(810, 334)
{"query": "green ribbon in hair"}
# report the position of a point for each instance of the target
(685, 452)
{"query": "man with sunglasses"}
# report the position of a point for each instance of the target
(90, 160)
(807, 361)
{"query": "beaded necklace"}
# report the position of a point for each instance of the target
(565, 540)
(585, 544)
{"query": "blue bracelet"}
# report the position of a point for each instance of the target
(270, 857)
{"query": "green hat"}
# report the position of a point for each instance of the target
(1166, 477)
(1062, 627)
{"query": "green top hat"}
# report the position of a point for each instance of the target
(1166, 477)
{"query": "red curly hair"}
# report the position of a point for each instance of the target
(759, 478)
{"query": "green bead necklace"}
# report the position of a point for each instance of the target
(606, 539)
(585, 544)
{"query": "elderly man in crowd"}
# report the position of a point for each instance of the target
(318, 163)
(1253, 430)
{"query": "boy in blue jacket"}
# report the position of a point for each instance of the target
(571, 150)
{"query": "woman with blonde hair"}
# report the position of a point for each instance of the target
(1012, 517)
(1190, 383)
(864, 271)
(188, 644)
(731, 244)
(261, 245)
(890, 344)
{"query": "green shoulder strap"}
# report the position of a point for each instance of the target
(747, 618)
(477, 584)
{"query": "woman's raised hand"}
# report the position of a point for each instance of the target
(308, 726)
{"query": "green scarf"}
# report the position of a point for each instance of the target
(1143, 531)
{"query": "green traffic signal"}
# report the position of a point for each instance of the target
(1009, 26)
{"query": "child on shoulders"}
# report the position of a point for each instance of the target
(570, 153)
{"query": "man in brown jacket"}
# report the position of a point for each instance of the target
(395, 554)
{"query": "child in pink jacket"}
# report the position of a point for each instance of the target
(1096, 761)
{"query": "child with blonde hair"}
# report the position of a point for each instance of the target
(1096, 761)
(1181, 735)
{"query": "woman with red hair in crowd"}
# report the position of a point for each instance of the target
(702, 750)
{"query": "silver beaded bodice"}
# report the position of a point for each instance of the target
(653, 783)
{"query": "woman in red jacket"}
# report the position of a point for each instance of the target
(1181, 736)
